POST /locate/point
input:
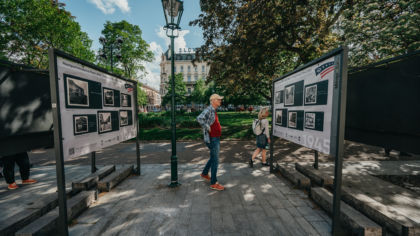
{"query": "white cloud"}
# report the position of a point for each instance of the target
(179, 41)
(108, 6)
(151, 76)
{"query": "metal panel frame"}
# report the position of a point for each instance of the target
(58, 137)
(338, 121)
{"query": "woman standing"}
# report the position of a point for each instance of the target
(263, 136)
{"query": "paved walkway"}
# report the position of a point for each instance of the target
(230, 152)
(254, 203)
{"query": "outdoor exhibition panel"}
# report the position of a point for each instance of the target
(92, 109)
(309, 107)
(306, 104)
(96, 109)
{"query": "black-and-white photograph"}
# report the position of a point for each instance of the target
(80, 124)
(108, 97)
(124, 100)
(310, 120)
(278, 97)
(105, 122)
(310, 94)
(279, 117)
(292, 119)
(123, 118)
(289, 94)
(77, 92)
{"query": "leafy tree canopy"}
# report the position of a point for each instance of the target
(180, 91)
(141, 96)
(251, 42)
(134, 50)
(29, 27)
(376, 30)
(199, 92)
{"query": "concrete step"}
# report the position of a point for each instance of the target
(389, 217)
(47, 224)
(316, 176)
(112, 180)
(289, 172)
(87, 182)
(358, 223)
(31, 213)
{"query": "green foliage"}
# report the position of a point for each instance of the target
(199, 92)
(376, 30)
(134, 49)
(249, 43)
(157, 126)
(180, 91)
(29, 27)
(141, 96)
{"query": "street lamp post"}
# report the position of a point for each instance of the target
(173, 10)
(110, 48)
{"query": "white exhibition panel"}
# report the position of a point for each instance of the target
(303, 106)
(76, 85)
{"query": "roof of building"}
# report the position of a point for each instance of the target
(148, 87)
(181, 56)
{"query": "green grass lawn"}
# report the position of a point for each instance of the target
(157, 126)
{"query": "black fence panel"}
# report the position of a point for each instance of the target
(383, 104)
(25, 109)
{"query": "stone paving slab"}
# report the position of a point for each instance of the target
(231, 151)
(254, 203)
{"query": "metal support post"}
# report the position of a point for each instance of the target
(58, 146)
(336, 227)
(316, 159)
(138, 170)
(93, 162)
(174, 159)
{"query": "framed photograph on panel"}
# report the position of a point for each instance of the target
(289, 94)
(108, 97)
(125, 100)
(309, 120)
(310, 94)
(292, 119)
(279, 117)
(277, 101)
(123, 118)
(77, 92)
(105, 121)
(80, 124)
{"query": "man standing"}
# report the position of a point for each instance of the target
(212, 130)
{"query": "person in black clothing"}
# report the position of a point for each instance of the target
(22, 160)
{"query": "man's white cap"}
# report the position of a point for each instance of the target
(215, 96)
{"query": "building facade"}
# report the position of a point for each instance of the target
(183, 64)
(153, 98)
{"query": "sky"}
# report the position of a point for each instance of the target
(148, 15)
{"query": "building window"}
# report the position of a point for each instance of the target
(195, 69)
(189, 68)
(189, 90)
(203, 68)
(182, 68)
(189, 78)
(195, 77)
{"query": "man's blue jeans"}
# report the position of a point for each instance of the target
(213, 162)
